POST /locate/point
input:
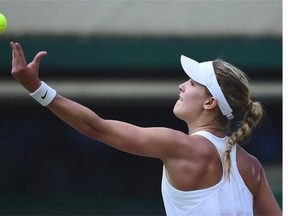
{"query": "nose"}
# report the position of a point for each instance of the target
(181, 87)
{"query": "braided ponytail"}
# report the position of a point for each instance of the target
(234, 84)
(251, 118)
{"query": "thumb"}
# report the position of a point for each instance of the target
(37, 59)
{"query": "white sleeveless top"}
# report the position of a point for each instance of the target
(227, 198)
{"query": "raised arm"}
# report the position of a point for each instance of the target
(150, 142)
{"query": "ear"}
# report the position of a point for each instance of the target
(210, 103)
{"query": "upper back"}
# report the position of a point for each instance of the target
(247, 187)
(230, 196)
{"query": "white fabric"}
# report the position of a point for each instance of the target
(230, 198)
(44, 94)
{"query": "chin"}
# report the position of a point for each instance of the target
(177, 113)
(180, 113)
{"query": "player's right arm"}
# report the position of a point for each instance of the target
(264, 200)
(253, 174)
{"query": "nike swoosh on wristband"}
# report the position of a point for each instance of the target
(44, 96)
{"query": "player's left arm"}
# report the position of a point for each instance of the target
(154, 142)
(151, 142)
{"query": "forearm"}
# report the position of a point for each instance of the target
(74, 114)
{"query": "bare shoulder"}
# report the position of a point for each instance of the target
(247, 162)
(250, 169)
(253, 174)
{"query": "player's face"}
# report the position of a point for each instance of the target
(191, 100)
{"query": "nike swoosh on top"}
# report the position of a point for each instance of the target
(44, 96)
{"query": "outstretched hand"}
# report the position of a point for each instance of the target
(26, 74)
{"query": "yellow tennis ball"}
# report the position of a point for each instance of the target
(3, 23)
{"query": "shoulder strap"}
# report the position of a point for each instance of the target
(218, 142)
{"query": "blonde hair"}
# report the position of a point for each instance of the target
(235, 86)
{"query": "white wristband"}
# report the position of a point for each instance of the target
(44, 94)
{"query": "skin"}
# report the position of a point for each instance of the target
(191, 162)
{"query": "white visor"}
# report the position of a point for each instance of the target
(204, 74)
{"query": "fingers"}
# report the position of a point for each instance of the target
(14, 60)
(19, 60)
(20, 54)
(12, 45)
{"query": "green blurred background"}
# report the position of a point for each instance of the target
(121, 59)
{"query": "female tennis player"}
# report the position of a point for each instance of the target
(205, 172)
